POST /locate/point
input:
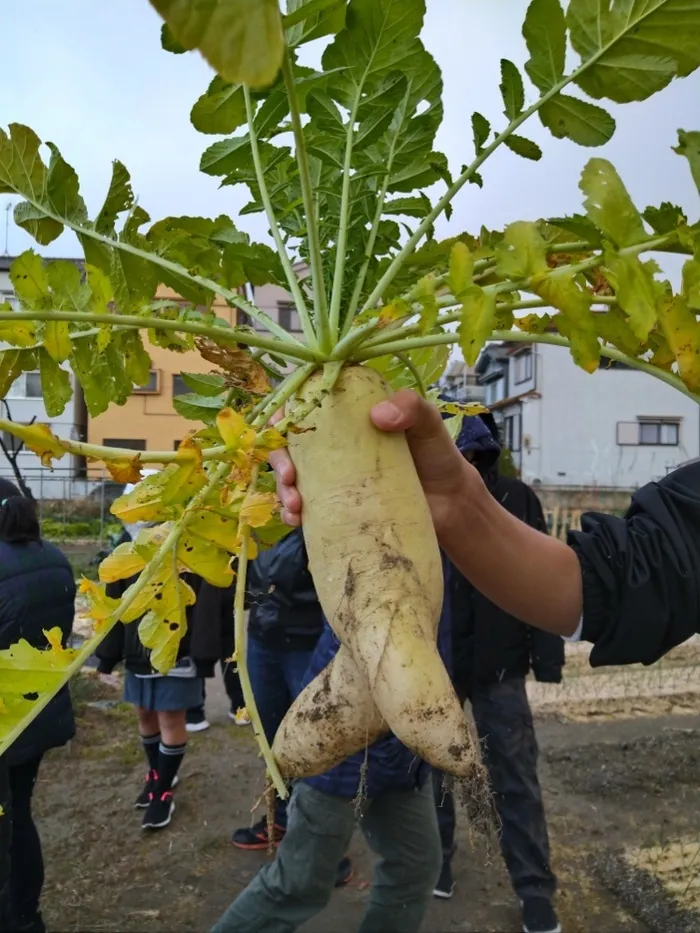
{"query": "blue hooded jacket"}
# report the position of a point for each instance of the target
(390, 765)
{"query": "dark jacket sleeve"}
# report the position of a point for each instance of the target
(641, 573)
(111, 649)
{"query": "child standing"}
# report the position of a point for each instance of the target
(162, 701)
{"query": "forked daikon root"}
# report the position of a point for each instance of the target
(376, 566)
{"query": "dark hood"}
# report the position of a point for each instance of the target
(479, 434)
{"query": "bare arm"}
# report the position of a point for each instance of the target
(530, 576)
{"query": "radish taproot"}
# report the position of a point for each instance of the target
(377, 569)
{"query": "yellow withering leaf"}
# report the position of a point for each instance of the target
(101, 607)
(41, 441)
(218, 529)
(122, 563)
(189, 450)
(162, 594)
(210, 562)
(258, 508)
(125, 471)
(234, 431)
(54, 637)
(466, 411)
(242, 370)
(162, 636)
(152, 500)
(270, 439)
(682, 331)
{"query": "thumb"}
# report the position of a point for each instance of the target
(431, 446)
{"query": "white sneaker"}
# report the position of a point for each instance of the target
(201, 725)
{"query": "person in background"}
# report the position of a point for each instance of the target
(492, 653)
(284, 625)
(162, 701)
(221, 608)
(389, 792)
(37, 592)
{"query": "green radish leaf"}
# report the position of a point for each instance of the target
(120, 198)
(63, 189)
(56, 340)
(94, 376)
(689, 146)
(16, 333)
(408, 207)
(207, 384)
(636, 291)
(545, 34)
(482, 130)
(476, 322)
(307, 20)
(609, 206)
(461, 273)
(639, 46)
(570, 118)
(575, 322)
(23, 172)
(30, 280)
(69, 292)
(137, 362)
(221, 109)
(242, 40)
(169, 42)
(56, 387)
(196, 407)
(614, 329)
(522, 252)
(512, 90)
(10, 370)
(524, 147)
(578, 225)
(431, 363)
(665, 218)
(691, 283)
(424, 294)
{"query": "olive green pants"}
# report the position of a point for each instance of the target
(400, 826)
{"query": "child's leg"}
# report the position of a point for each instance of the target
(172, 746)
(149, 730)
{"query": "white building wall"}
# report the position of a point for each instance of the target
(570, 432)
(43, 482)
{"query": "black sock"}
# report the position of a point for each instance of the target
(169, 761)
(150, 747)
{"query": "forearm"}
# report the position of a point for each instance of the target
(527, 574)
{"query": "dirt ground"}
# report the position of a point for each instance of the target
(620, 765)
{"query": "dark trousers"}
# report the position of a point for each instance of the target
(276, 677)
(5, 845)
(27, 864)
(232, 684)
(399, 827)
(504, 724)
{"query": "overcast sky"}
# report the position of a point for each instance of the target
(91, 77)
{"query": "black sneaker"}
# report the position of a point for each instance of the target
(159, 812)
(344, 873)
(445, 884)
(144, 798)
(255, 838)
(539, 916)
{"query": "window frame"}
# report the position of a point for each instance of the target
(146, 390)
(519, 359)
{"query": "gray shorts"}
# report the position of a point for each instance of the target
(163, 694)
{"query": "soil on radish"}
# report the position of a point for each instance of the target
(612, 787)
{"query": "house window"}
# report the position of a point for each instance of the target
(176, 445)
(522, 367)
(128, 443)
(28, 385)
(288, 317)
(10, 298)
(512, 432)
(152, 387)
(659, 433)
(495, 391)
(649, 432)
(179, 386)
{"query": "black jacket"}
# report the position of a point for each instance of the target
(208, 639)
(489, 645)
(285, 612)
(641, 573)
(37, 592)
